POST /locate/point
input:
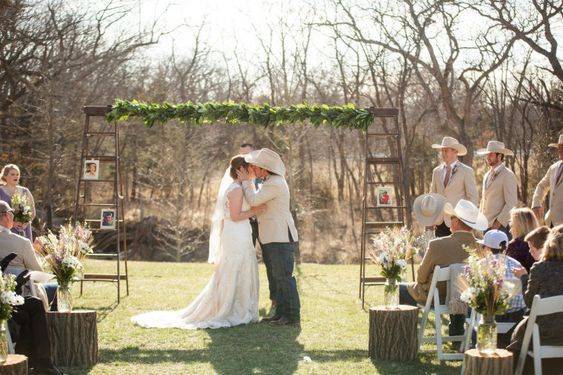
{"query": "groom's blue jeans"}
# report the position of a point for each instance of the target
(282, 261)
(267, 258)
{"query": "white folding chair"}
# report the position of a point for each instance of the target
(440, 274)
(475, 320)
(540, 306)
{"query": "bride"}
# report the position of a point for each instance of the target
(230, 298)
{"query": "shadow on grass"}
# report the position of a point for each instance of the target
(422, 365)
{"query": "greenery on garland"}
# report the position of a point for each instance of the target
(233, 113)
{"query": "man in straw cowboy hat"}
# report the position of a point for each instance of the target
(552, 181)
(452, 179)
(500, 187)
(276, 230)
(443, 251)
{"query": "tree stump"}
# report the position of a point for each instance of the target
(74, 338)
(16, 364)
(393, 333)
(498, 363)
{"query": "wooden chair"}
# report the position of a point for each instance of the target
(540, 306)
(433, 305)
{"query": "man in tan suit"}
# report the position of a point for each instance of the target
(552, 181)
(452, 179)
(500, 188)
(276, 229)
(443, 252)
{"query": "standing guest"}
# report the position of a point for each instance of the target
(443, 252)
(9, 185)
(452, 179)
(546, 280)
(500, 187)
(522, 222)
(495, 242)
(552, 182)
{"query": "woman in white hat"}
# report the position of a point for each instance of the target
(500, 187)
(551, 182)
(452, 179)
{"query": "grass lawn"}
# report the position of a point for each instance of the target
(333, 333)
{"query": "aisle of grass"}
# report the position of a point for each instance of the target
(333, 329)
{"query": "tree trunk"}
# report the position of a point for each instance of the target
(393, 333)
(74, 338)
(499, 363)
(16, 364)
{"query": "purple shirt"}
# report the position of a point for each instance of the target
(519, 250)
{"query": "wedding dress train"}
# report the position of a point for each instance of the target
(230, 298)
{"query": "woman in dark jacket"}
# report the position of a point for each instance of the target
(522, 222)
(546, 280)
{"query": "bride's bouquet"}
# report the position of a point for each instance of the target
(21, 207)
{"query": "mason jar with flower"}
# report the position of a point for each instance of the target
(8, 299)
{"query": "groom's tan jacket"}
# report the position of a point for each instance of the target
(276, 223)
(462, 184)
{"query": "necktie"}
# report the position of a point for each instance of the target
(559, 173)
(490, 178)
(448, 175)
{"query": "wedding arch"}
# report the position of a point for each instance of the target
(383, 167)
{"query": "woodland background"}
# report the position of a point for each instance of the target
(475, 70)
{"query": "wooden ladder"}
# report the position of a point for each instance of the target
(83, 197)
(399, 211)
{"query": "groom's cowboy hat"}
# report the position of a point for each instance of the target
(429, 209)
(558, 143)
(267, 159)
(495, 146)
(468, 213)
(449, 142)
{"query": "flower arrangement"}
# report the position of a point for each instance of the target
(64, 253)
(21, 207)
(8, 297)
(391, 249)
(488, 292)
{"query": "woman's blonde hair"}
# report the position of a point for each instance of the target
(7, 169)
(522, 222)
(553, 247)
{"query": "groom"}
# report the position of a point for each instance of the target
(277, 232)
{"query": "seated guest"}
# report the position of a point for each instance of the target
(495, 242)
(28, 329)
(535, 240)
(522, 222)
(443, 252)
(25, 259)
(546, 280)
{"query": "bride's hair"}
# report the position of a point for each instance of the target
(236, 163)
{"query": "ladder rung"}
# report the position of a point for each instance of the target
(101, 157)
(382, 182)
(373, 279)
(100, 133)
(383, 134)
(101, 255)
(97, 204)
(87, 180)
(98, 220)
(372, 160)
(102, 277)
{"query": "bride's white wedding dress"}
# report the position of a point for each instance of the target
(230, 298)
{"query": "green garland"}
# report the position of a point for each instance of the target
(234, 113)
